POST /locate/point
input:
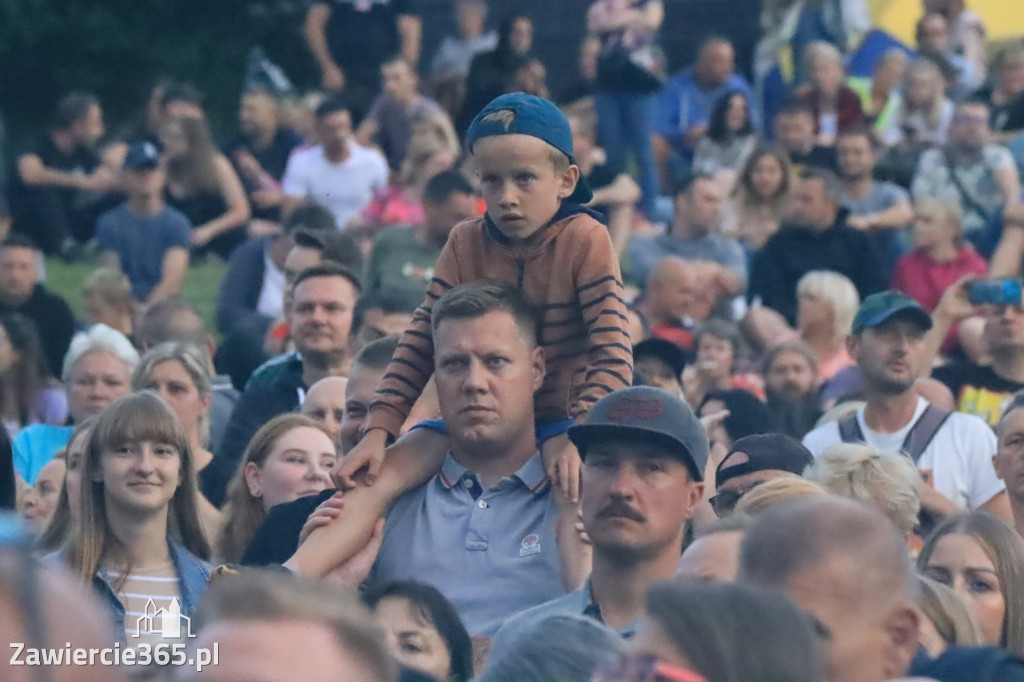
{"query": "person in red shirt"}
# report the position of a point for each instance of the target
(940, 257)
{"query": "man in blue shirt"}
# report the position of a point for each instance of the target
(482, 530)
(644, 454)
(144, 237)
(686, 102)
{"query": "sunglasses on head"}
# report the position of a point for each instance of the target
(725, 501)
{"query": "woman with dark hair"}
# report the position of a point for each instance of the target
(492, 73)
(724, 632)
(748, 416)
(138, 535)
(422, 629)
(202, 184)
(28, 392)
(731, 139)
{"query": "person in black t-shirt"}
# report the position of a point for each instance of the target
(63, 179)
(350, 39)
(794, 129)
(1006, 96)
(986, 390)
(20, 292)
(260, 152)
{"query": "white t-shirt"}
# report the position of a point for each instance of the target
(271, 301)
(959, 456)
(345, 188)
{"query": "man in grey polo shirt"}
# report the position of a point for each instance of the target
(483, 529)
(644, 454)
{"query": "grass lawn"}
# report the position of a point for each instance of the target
(201, 286)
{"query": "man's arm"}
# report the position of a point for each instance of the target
(1008, 180)
(319, 13)
(895, 217)
(367, 131)
(954, 306)
(410, 29)
(172, 275)
(34, 173)
(623, 190)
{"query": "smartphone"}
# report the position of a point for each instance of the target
(995, 291)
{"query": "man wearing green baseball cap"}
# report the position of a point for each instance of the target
(953, 451)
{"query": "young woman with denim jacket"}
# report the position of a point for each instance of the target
(139, 536)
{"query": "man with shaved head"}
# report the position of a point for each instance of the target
(673, 304)
(848, 567)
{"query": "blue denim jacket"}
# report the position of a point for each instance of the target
(193, 576)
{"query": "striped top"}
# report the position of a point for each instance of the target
(157, 583)
(570, 271)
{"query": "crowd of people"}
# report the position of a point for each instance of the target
(676, 379)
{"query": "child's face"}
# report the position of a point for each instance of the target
(519, 182)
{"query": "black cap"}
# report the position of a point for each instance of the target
(142, 156)
(648, 415)
(666, 351)
(765, 452)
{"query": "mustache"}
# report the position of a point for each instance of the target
(619, 509)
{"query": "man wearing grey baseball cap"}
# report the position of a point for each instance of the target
(953, 451)
(644, 454)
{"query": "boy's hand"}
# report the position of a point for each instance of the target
(367, 454)
(562, 463)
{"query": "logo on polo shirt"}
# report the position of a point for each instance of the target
(530, 545)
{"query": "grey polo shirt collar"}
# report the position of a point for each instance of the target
(531, 474)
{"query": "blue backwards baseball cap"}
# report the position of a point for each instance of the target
(536, 117)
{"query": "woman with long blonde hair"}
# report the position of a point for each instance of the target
(138, 538)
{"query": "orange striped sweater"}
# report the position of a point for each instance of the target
(570, 271)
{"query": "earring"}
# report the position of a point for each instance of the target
(257, 493)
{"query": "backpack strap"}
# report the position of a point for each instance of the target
(924, 430)
(849, 430)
